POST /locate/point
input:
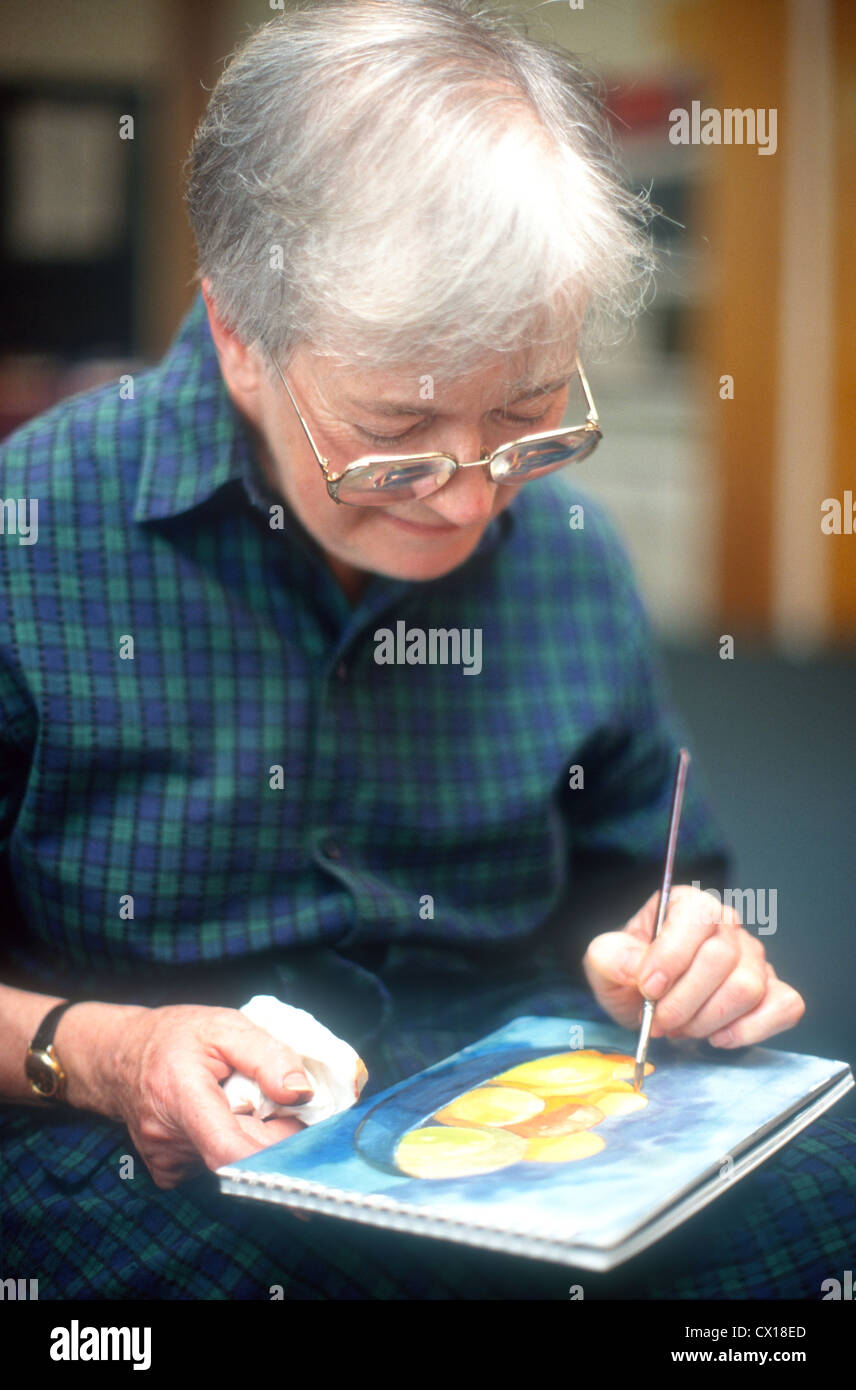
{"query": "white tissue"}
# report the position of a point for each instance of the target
(333, 1069)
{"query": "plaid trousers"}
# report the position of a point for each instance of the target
(71, 1221)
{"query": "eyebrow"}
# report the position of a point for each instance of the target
(409, 408)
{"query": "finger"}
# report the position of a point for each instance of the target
(641, 924)
(164, 1148)
(610, 965)
(782, 1007)
(679, 1010)
(612, 962)
(171, 1175)
(275, 1066)
(689, 921)
(281, 1127)
(168, 1165)
(271, 1131)
(207, 1120)
(742, 991)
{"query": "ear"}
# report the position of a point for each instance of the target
(239, 364)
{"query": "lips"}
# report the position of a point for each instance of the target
(418, 529)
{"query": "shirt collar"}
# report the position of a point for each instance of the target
(195, 441)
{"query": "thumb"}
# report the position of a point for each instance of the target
(289, 1079)
(611, 964)
(273, 1065)
(283, 1076)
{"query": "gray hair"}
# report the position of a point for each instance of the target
(400, 181)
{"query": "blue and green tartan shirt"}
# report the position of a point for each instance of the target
(202, 760)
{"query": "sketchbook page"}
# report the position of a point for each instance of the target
(718, 1182)
(389, 1215)
(700, 1107)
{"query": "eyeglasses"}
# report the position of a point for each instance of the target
(382, 480)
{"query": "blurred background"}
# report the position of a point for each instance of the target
(718, 489)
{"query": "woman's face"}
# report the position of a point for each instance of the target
(348, 410)
(347, 413)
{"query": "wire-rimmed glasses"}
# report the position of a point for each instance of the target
(381, 480)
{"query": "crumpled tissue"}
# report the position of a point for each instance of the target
(333, 1069)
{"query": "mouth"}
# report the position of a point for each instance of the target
(419, 530)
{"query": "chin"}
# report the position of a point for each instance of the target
(421, 562)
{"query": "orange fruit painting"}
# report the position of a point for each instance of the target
(543, 1111)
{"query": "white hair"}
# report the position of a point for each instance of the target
(414, 181)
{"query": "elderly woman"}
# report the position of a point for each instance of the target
(237, 756)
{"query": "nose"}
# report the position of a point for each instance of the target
(468, 499)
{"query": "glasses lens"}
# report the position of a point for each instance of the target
(381, 482)
(524, 461)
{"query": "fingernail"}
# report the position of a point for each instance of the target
(653, 987)
(723, 1039)
(296, 1081)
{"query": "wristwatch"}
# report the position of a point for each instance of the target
(43, 1066)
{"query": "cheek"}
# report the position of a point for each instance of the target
(329, 523)
(308, 488)
(505, 495)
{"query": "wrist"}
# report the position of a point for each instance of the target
(87, 1040)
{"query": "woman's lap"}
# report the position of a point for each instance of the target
(780, 1233)
(86, 1231)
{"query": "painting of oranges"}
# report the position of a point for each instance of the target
(542, 1111)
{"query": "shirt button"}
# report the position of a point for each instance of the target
(332, 849)
(342, 671)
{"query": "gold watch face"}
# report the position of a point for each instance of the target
(45, 1074)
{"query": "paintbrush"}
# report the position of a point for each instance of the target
(662, 907)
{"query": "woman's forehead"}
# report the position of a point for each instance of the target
(514, 375)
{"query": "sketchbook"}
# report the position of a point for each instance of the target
(532, 1141)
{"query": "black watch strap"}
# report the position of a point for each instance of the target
(46, 1029)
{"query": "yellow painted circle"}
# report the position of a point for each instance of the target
(491, 1105)
(620, 1102)
(566, 1119)
(566, 1073)
(564, 1148)
(442, 1151)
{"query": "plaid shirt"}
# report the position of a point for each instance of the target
(423, 831)
(248, 778)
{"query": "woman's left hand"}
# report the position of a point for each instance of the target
(709, 977)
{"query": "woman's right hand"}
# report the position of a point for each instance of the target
(161, 1071)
